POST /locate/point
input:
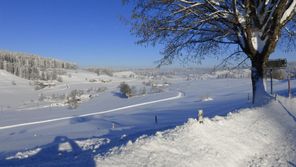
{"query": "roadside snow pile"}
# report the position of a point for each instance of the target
(207, 99)
(91, 144)
(85, 145)
(253, 137)
(24, 155)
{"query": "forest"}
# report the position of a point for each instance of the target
(33, 67)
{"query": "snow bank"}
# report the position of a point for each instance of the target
(253, 137)
(207, 99)
(91, 144)
(24, 155)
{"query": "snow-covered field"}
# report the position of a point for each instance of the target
(157, 129)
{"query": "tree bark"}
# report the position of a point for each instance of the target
(260, 95)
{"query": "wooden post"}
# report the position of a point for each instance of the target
(113, 125)
(155, 119)
(200, 116)
(271, 88)
(289, 86)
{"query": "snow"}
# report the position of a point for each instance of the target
(26, 154)
(207, 99)
(257, 42)
(91, 144)
(65, 147)
(108, 130)
(242, 73)
(92, 114)
(85, 145)
(125, 74)
(262, 96)
(253, 137)
(291, 9)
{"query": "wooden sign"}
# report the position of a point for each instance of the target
(277, 63)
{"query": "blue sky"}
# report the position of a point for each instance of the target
(88, 32)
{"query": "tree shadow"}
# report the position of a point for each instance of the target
(292, 164)
(81, 119)
(51, 155)
(289, 113)
(285, 92)
(116, 141)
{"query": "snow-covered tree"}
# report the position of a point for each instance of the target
(197, 28)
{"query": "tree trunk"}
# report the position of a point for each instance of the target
(260, 96)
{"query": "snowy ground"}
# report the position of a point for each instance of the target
(254, 136)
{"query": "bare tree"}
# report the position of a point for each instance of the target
(196, 28)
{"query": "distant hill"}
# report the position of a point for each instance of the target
(32, 67)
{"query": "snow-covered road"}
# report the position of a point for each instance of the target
(180, 95)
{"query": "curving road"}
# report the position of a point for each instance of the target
(180, 95)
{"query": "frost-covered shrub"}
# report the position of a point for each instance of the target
(73, 99)
(125, 89)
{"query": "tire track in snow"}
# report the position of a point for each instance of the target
(180, 95)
